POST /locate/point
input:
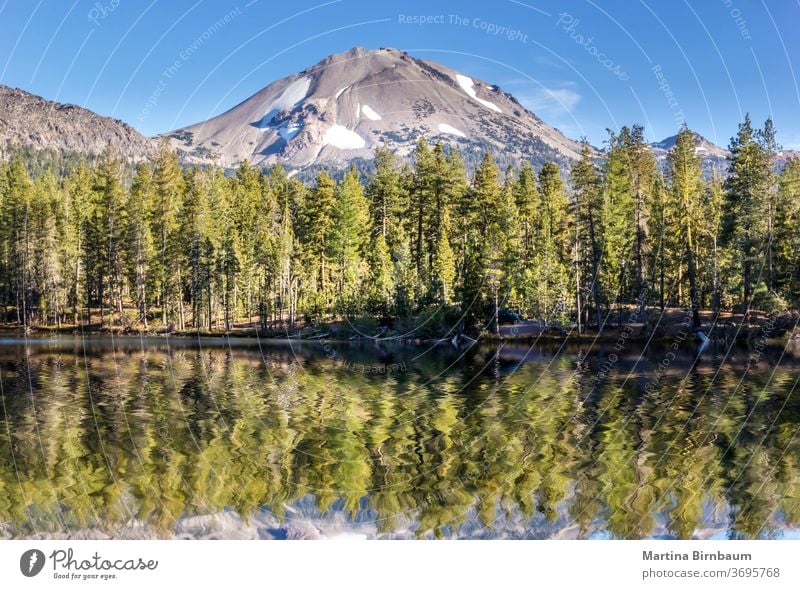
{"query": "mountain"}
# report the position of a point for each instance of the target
(331, 114)
(713, 156)
(342, 108)
(27, 120)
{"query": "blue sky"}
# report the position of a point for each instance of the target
(581, 65)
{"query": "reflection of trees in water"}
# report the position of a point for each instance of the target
(157, 436)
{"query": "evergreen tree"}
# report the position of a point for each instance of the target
(444, 270)
(786, 234)
(349, 239)
(316, 234)
(208, 249)
(660, 236)
(710, 231)
(643, 168)
(77, 191)
(139, 243)
(686, 190)
(46, 276)
(745, 227)
(618, 218)
(588, 212)
(769, 144)
(385, 192)
(380, 278)
(17, 239)
(106, 233)
(484, 264)
(169, 186)
(422, 194)
(552, 238)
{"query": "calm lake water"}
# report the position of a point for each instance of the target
(136, 438)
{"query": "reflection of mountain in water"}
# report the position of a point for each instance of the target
(283, 442)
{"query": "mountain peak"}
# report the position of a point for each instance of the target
(32, 121)
(345, 106)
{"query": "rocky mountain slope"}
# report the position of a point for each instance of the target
(346, 105)
(31, 121)
(331, 114)
(713, 156)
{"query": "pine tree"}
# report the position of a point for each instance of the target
(712, 215)
(422, 195)
(385, 193)
(106, 232)
(744, 224)
(444, 270)
(526, 194)
(248, 193)
(46, 271)
(659, 229)
(618, 217)
(643, 168)
(139, 243)
(78, 188)
(786, 231)
(196, 228)
(552, 240)
(169, 186)
(317, 226)
(17, 238)
(349, 239)
(686, 190)
(483, 275)
(769, 144)
(527, 200)
(380, 278)
(588, 234)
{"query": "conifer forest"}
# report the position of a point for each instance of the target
(419, 245)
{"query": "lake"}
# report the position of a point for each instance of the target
(216, 438)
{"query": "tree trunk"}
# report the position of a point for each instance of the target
(577, 286)
(596, 277)
(695, 303)
(496, 312)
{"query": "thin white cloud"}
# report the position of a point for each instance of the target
(791, 142)
(553, 102)
(549, 62)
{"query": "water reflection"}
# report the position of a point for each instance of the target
(246, 439)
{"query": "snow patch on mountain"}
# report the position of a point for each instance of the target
(445, 128)
(289, 131)
(293, 94)
(467, 84)
(369, 113)
(359, 100)
(343, 138)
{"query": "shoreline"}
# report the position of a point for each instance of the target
(672, 326)
(745, 335)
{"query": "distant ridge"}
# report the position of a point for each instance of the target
(28, 120)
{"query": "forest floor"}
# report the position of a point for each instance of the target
(672, 324)
(625, 323)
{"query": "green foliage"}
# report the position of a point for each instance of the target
(421, 446)
(169, 248)
(746, 217)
